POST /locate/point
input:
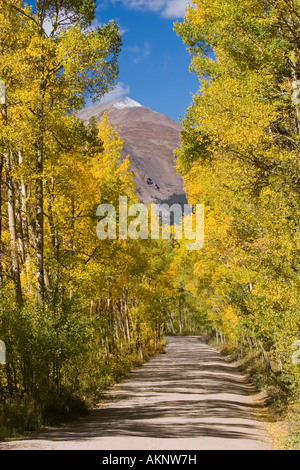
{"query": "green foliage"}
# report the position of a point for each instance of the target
(76, 313)
(18, 415)
(239, 156)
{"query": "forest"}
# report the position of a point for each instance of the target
(78, 313)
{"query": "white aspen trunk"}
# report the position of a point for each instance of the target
(24, 220)
(39, 226)
(15, 268)
(1, 244)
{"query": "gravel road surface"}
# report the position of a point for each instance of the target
(189, 398)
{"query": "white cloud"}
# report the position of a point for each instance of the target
(123, 30)
(167, 8)
(146, 5)
(175, 8)
(120, 91)
(48, 26)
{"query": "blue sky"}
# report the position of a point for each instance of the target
(154, 62)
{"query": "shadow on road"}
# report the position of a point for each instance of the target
(189, 392)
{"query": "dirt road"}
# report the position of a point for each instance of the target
(187, 399)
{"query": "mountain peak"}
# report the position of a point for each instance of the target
(125, 103)
(149, 138)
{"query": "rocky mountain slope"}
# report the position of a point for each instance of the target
(149, 138)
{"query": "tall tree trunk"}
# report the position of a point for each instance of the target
(125, 304)
(39, 223)
(24, 218)
(39, 168)
(4, 122)
(266, 356)
(1, 244)
(53, 230)
(18, 218)
(72, 248)
(11, 197)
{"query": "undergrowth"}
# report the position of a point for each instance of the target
(281, 401)
(20, 415)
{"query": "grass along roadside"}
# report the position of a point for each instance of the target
(23, 415)
(280, 412)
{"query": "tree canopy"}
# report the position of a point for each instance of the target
(240, 157)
